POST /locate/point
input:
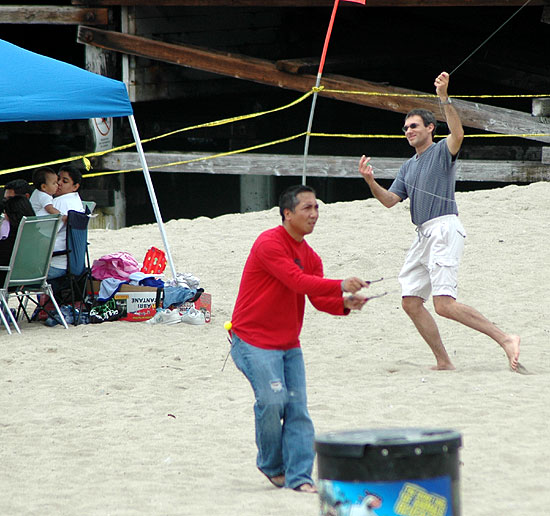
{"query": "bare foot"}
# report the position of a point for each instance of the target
(277, 480)
(446, 366)
(306, 488)
(511, 347)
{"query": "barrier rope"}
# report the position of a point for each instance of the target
(390, 136)
(215, 123)
(429, 95)
(204, 158)
(86, 157)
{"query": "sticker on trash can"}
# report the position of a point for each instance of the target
(410, 498)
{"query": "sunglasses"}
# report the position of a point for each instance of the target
(412, 126)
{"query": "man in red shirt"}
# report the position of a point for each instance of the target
(280, 271)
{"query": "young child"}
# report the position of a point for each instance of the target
(45, 184)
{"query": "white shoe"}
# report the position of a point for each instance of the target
(192, 316)
(165, 317)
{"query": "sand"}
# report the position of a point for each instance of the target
(130, 419)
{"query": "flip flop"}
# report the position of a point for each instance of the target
(274, 479)
(306, 488)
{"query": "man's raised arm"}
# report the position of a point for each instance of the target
(454, 140)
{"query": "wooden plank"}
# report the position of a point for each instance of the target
(163, 20)
(541, 107)
(317, 166)
(298, 66)
(55, 15)
(473, 114)
(333, 64)
(318, 3)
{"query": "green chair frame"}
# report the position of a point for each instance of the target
(27, 272)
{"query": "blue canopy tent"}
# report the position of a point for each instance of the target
(34, 87)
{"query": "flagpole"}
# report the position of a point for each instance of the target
(309, 125)
(317, 84)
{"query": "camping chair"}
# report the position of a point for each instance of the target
(75, 285)
(90, 205)
(27, 271)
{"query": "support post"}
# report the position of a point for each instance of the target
(152, 194)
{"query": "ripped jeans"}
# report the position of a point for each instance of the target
(284, 430)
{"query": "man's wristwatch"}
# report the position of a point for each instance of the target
(445, 102)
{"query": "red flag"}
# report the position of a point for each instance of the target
(327, 37)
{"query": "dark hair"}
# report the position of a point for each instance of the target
(289, 198)
(427, 117)
(74, 173)
(16, 208)
(19, 186)
(39, 176)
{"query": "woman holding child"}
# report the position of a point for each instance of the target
(65, 199)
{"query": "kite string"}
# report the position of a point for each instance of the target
(471, 54)
(414, 187)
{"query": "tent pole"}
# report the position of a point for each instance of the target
(151, 192)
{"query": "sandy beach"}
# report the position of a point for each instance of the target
(133, 419)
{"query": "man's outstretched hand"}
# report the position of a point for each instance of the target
(354, 302)
(353, 284)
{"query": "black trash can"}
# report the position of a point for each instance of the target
(401, 472)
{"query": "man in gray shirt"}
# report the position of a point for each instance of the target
(431, 267)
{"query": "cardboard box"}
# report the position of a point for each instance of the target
(131, 302)
(137, 303)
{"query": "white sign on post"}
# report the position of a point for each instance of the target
(102, 129)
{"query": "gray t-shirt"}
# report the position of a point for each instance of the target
(429, 181)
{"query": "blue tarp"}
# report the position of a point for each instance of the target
(35, 87)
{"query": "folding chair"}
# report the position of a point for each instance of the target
(27, 271)
(74, 286)
(90, 205)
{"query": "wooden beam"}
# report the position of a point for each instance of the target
(55, 15)
(317, 166)
(541, 107)
(335, 64)
(316, 3)
(473, 114)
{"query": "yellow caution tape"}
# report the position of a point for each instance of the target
(204, 158)
(429, 95)
(88, 165)
(390, 136)
(130, 145)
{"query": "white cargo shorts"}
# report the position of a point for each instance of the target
(431, 265)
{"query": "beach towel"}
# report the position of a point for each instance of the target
(116, 265)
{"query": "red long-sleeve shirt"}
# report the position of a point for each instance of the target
(278, 274)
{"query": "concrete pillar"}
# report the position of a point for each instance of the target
(257, 193)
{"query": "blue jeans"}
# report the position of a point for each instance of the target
(284, 430)
(54, 272)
